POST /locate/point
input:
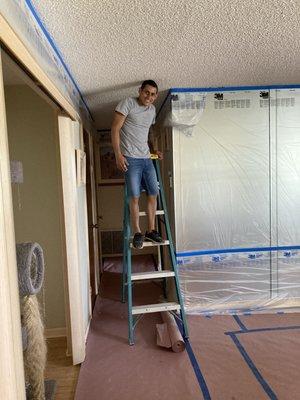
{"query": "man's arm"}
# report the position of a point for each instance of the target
(117, 124)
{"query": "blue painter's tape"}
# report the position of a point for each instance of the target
(54, 47)
(235, 250)
(240, 324)
(253, 368)
(195, 365)
(279, 328)
(232, 88)
(197, 371)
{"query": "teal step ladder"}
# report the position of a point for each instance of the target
(136, 312)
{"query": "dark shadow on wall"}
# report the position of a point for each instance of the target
(111, 89)
(103, 112)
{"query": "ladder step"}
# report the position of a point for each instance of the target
(149, 244)
(151, 275)
(158, 212)
(152, 308)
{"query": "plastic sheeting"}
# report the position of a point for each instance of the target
(237, 201)
(25, 22)
(186, 111)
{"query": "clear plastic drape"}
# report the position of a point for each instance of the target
(237, 200)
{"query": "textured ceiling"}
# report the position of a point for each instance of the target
(111, 46)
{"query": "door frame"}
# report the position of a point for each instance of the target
(18, 50)
(72, 275)
(91, 191)
(12, 381)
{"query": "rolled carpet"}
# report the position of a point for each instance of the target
(30, 260)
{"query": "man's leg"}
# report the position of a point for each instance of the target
(133, 178)
(138, 237)
(134, 211)
(151, 209)
(150, 179)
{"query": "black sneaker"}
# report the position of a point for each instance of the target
(153, 236)
(138, 240)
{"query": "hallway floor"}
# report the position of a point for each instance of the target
(246, 357)
(59, 367)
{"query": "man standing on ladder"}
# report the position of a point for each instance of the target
(130, 136)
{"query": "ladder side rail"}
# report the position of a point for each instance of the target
(126, 236)
(127, 265)
(160, 248)
(171, 248)
(128, 270)
(129, 298)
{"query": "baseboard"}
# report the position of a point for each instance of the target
(55, 332)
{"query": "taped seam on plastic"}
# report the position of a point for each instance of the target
(230, 88)
(235, 250)
(278, 328)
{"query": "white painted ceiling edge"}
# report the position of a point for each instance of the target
(111, 46)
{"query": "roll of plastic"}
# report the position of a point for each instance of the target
(30, 260)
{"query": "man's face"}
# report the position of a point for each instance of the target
(147, 95)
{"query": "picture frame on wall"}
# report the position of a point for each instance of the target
(108, 169)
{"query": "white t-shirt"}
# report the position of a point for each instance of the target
(135, 130)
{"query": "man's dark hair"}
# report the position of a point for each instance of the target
(150, 83)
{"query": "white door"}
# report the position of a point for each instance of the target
(76, 234)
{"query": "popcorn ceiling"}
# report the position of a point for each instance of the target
(111, 46)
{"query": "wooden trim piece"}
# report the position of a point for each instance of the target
(63, 242)
(92, 216)
(19, 50)
(81, 140)
(12, 380)
(68, 171)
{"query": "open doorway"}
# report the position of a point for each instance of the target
(36, 185)
(32, 132)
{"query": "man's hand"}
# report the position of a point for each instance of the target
(121, 163)
(159, 154)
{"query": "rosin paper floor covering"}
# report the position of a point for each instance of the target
(246, 357)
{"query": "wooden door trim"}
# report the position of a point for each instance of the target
(72, 272)
(12, 380)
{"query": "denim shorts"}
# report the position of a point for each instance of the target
(141, 175)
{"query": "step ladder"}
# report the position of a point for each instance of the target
(129, 278)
